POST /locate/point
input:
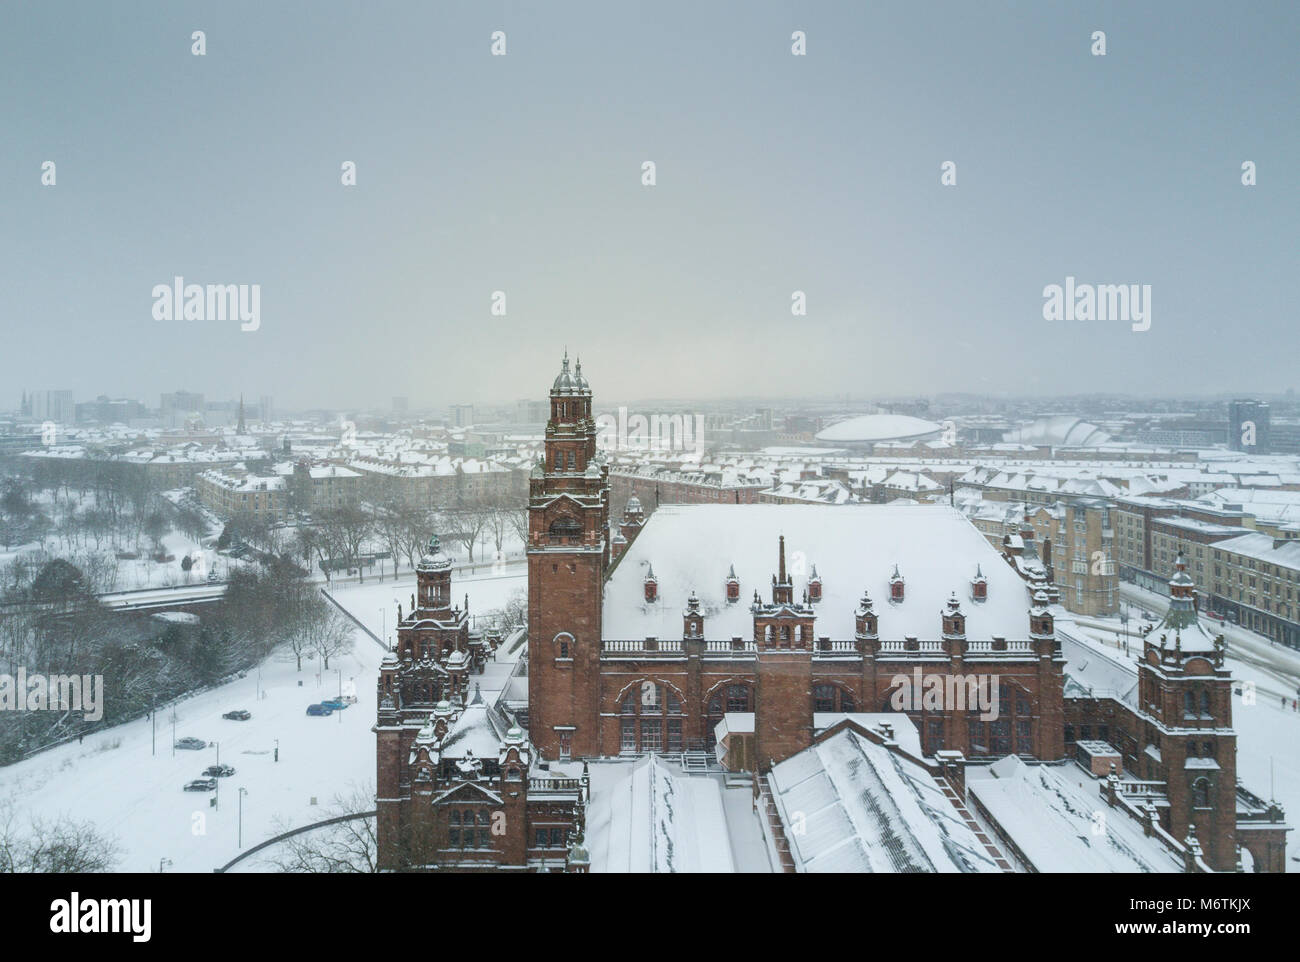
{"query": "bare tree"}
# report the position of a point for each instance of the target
(345, 847)
(59, 845)
(333, 633)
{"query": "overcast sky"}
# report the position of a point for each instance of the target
(522, 173)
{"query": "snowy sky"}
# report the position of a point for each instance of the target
(523, 174)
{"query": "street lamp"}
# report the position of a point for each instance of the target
(242, 792)
(163, 862)
(277, 749)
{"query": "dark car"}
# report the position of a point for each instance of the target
(240, 715)
(334, 704)
(191, 744)
(218, 771)
(319, 710)
(201, 785)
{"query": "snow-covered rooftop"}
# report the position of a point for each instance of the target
(861, 807)
(854, 547)
(1050, 813)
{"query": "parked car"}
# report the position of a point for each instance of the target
(218, 771)
(239, 715)
(334, 704)
(319, 710)
(191, 744)
(201, 785)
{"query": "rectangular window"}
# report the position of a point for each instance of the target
(651, 735)
(1024, 737)
(557, 838)
(627, 742)
(934, 735)
(542, 839)
(674, 734)
(566, 745)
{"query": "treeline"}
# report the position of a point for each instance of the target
(347, 533)
(51, 623)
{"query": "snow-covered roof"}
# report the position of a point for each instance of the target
(654, 820)
(1261, 548)
(851, 805)
(879, 427)
(854, 547)
(1049, 813)
(1091, 670)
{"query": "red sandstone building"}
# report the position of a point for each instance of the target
(775, 622)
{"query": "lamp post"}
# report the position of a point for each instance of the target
(163, 862)
(173, 733)
(242, 792)
(277, 749)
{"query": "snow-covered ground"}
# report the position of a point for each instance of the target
(130, 792)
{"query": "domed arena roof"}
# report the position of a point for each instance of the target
(1062, 430)
(870, 428)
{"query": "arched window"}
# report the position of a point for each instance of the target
(1201, 793)
(1189, 703)
(565, 530)
(650, 719)
(832, 698)
(1205, 703)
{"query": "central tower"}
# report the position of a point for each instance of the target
(568, 552)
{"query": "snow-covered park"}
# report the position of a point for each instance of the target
(128, 781)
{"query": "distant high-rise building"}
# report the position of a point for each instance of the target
(105, 410)
(462, 415)
(175, 408)
(531, 412)
(1248, 426)
(53, 406)
(266, 408)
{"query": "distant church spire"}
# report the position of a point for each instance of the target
(241, 428)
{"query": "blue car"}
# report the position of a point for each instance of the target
(334, 704)
(319, 710)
